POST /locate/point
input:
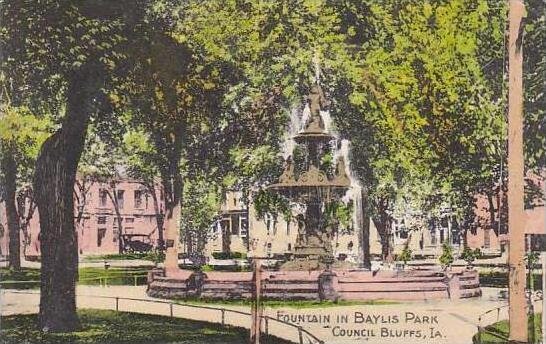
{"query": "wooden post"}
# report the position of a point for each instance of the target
(516, 216)
(256, 326)
(543, 261)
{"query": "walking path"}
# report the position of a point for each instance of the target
(439, 321)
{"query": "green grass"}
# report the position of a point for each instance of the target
(288, 303)
(100, 326)
(28, 278)
(498, 332)
(25, 274)
(117, 256)
(113, 276)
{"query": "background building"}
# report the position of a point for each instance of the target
(98, 229)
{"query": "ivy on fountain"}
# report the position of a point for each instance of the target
(327, 164)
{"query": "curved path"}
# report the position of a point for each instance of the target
(442, 321)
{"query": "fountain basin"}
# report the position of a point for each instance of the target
(318, 285)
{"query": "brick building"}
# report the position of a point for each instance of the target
(98, 228)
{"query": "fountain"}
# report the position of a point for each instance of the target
(314, 187)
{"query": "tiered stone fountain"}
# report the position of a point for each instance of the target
(307, 183)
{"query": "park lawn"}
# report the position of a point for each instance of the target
(288, 303)
(498, 332)
(118, 256)
(29, 278)
(101, 326)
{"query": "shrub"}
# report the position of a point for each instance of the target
(405, 255)
(469, 255)
(446, 259)
(206, 268)
(156, 256)
(229, 255)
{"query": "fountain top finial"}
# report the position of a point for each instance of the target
(316, 101)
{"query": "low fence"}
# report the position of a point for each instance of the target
(498, 314)
(223, 316)
(103, 281)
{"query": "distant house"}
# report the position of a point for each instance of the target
(239, 229)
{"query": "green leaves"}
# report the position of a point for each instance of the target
(21, 136)
(266, 202)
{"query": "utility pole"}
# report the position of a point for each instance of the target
(257, 311)
(543, 263)
(516, 216)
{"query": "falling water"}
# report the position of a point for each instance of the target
(342, 148)
(294, 126)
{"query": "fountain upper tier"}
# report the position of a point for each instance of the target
(313, 136)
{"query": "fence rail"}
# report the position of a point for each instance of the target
(303, 335)
(103, 281)
(496, 314)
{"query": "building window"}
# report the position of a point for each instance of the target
(101, 233)
(288, 227)
(235, 224)
(129, 220)
(235, 201)
(269, 248)
(101, 220)
(119, 197)
(138, 199)
(103, 198)
(350, 246)
(289, 247)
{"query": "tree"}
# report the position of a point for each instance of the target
(56, 56)
(21, 134)
(419, 111)
(140, 164)
(534, 70)
(201, 205)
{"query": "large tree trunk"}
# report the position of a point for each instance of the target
(492, 214)
(226, 240)
(173, 185)
(112, 194)
(25, 208)
(55, 176)
(383, 225)
(366, 254)
(9, 169)
(159, 217)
